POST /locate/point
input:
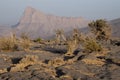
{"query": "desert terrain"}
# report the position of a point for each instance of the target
(52, 52)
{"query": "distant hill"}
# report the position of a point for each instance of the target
(115, 27)
(39, 24)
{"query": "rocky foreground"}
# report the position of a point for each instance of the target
(50, 63)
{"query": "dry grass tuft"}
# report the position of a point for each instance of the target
(56, 62)
(96, 62)
(66, 77)
(25, 61)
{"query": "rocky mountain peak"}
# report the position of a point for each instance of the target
(44, 25)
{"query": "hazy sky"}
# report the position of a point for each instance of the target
(12, 10)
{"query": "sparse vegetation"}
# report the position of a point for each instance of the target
(85, 58)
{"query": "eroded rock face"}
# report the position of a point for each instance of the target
(43, 25)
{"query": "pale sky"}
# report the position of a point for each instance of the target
(12, 10)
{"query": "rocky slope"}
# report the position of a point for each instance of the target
(38, 24)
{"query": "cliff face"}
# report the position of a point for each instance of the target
(38, 24)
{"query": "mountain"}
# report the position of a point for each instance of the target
(38, 24)
(115, 27)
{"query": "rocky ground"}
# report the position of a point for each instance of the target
(50, 63)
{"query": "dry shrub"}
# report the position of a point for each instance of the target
(8, 43)
(24, 62)
(56, 62)
(91, 45)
